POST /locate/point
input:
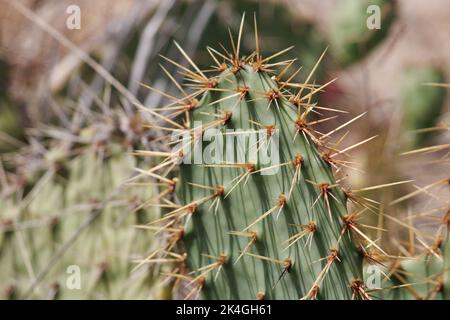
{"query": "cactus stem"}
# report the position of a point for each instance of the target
(222, 94)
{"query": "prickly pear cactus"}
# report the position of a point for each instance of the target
(426, 275)
(421, 277)
(359, 26)
(10, 127)
(70, 234)
(446, 258)
(422, 103)
(255, 227)
(261, 213)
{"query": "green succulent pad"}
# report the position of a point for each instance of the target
(350, 37)
(245, 227)
(422, 103)
(35, 228)
(425, 275)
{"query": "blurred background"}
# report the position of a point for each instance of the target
(68, 124)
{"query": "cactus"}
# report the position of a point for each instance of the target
(11, 130)
(249, 228)
(445, 248)
(350, 37)
(425, 276)
(420, 277)
(290, 30)
(416, 278)
(67, 210)
(11, 122)
(32, 234)
(421, 105)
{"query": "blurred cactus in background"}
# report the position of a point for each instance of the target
(69, 206)
(422, 104)
(350, 36)
(11, 124)
(10, 127)
(424, 273)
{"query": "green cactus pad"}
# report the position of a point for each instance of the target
(350, 37)
(249, 231)
(422, 103)
(32, 232)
